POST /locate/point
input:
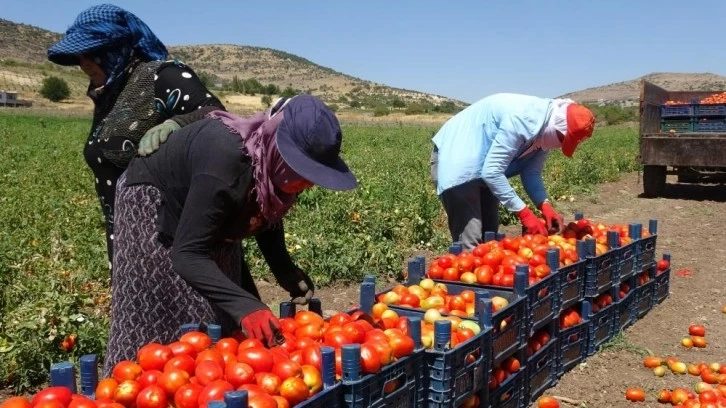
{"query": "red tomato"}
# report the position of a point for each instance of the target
(239, 373)
(697, 330)
(105, 388)
(312, 330)
(435, 272)
(252, 390)
(547, 402)
(58, 394)
(208, 371)
(635, 394)
(268, 382)
(355, 332)
(82, 403)
(49, 404)
(339, 319)
(173, 379)
(148, 378)
(249, 343)
(126, 370)
(152, 397)
(187, 396)
(182, 347)
(376, 334)
(214, 391)
(200, 341)
(182, 362)
(126, 392)
(294, 390)
(286, 369)
(402, 345)
(22, 402)
(259, 358)
(370, 361)
(261, 401)
(153, 356)
(336, 339)
(312, 356)
(210, 355)
(228, 344)
(304, 317)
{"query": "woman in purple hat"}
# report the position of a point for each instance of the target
(139, 98)
(213, 183)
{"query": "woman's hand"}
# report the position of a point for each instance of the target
(262, 325)
(298, 284)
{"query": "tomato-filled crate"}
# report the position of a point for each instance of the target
(645, 292)
(662, 279)
(509, 377)
(645, 246)
(570, 278)
(625, 304)
(449, 373)
(572, 336)
(541, 363)
(600, 320)
(602, 270)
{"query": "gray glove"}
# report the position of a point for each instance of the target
(157, 135)
(298, 284)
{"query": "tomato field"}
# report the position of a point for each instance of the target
(55, 297)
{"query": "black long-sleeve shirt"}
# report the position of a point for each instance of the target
(205, 178)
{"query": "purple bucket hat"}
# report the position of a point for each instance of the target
(309, 139)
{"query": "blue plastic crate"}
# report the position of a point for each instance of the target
(626, 259)
(572, 343)
(644, 247)
(625, 307)
(710, 126)
(509, 325)
(602, 272)
(662, 285)
(454, 377)
(510, 393)
(542, 305)
(707, 110)
(601, 325)
(327, 398)
(677, 126)
(671, 111)
(644, 298)
(541, 371)
(572, 284)
(361, 391)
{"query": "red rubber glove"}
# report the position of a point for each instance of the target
(552, 218)
(262, 325)
(531, 222)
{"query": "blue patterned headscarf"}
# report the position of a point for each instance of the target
(112, 36)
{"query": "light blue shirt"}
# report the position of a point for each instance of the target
(487, 140)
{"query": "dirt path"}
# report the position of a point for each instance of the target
(689, 229)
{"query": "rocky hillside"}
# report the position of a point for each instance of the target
(629, 91)
(23, 65)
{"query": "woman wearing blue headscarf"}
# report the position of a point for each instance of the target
(139, 97)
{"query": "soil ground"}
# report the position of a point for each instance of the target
(688, 218)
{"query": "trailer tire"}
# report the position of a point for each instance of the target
(654, 180)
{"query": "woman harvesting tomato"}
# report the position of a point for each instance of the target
(182, 211)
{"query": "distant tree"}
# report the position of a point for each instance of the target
(266, 100)
(289, 92)
(354, 104)
(381, 110)
(272, 89)
(397, 103)
(236, 85)
(415, 109)
(252, 87)
(55, 89)
(333, 107)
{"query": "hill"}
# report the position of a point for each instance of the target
(23, 65)
(629, 91)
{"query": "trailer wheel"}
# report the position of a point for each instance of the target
(654, 180)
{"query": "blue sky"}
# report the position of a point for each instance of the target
(461, 49)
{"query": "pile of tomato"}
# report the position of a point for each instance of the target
(714, 99)
(191, 372)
